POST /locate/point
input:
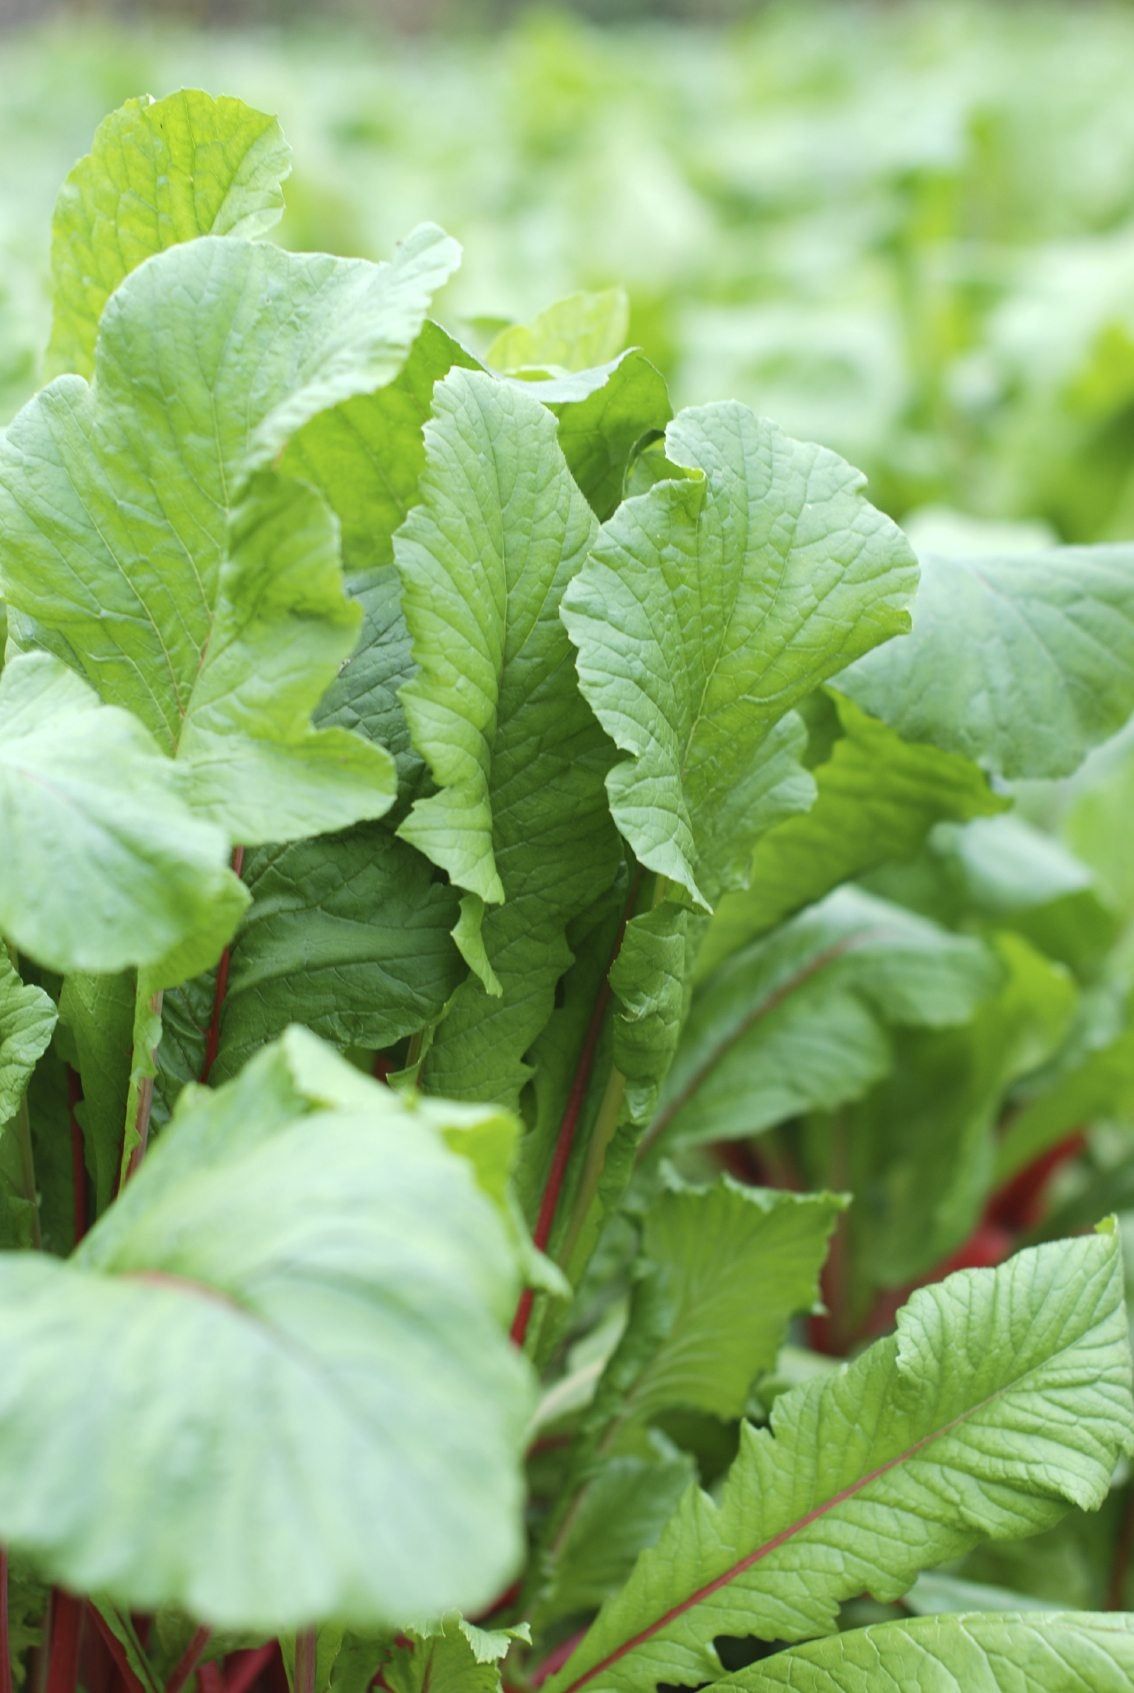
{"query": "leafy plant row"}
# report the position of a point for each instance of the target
(491, 867)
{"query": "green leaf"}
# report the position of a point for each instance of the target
(604, 415)
(1055, 1653)
(453, 1657)
(799, 1021)
(709, 607)
(1003, 1398)
(105, 865)
(366, 457)
(725, 1269)
(519, 818)
(349, 935)
(878, 797)
(273, 1386)
(1020, 663)
(27, 1020)
(159, 172)
(97, 1013)
(574, 333)
(922, 1145)
(134, 544)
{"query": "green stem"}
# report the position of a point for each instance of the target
(22, 1126)
(139, 1103)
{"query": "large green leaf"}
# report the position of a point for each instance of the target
(878, 797)
(158, 172)
(710, 606)
(1023, 663)
(272, 1386)
(1003, 1398)
(135, 543)
(799, 1020)
(1057, 1653)
(519, 818)
(104, 864)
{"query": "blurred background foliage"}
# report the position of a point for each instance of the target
(907, 231)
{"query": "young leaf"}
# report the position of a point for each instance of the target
(1021, 663)
(519, 819)
(575, 333)
(159, 172)
(878, 797)
(708, 608)
(133, 544)
(453, 1657)
(105, 866)
(1003, 1398)
(798, 1021)
(725, 1270)
(272, 1386)
(1053, 1653)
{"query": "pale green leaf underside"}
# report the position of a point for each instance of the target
(158, 173)
(293, 1317)
(1022, 662)
(104, 864)
(132, 544)
(709, 607)
(1057, 1653)
(1003, 1398)
(799, 1020)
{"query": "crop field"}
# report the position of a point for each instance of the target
(566, 894)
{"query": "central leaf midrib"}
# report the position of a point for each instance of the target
(767, 1547)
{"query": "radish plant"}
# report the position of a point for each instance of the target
(509, 896)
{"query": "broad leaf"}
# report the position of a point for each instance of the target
(1056, 1653)
(1003, 1398)
(1023, 663)
(709, 607)
(519, 818)
(159, 172)
(292, 1317)
(134, 544)
(799, 1020)
(104, 866)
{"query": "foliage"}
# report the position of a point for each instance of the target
(553, 881)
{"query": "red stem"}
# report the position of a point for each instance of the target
(78, 1161)
(561, 1157)
(305, 1656)
(220, 989)
(210, 1678)
(65, 1642)
(248, 1668)
(117, 1651)
(556, 1659)
(5, 1630)
(187, 1662)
